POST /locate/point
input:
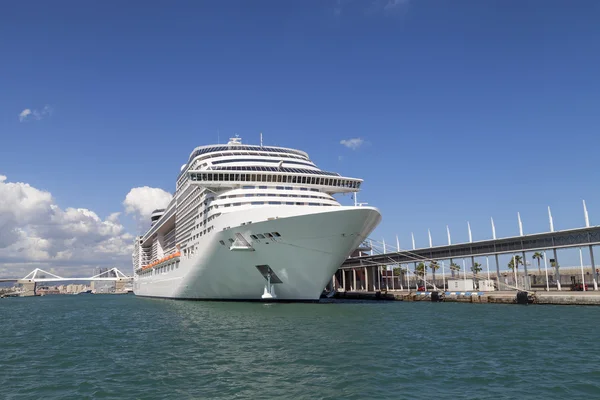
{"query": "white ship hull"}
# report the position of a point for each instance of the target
(314, 242)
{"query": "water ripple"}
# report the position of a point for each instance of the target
(109, 347)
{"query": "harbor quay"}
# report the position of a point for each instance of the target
(473, 272)
(498, 297)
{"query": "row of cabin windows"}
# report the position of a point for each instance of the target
(305, 196)
(160, 270)
(287, 203)
(265, 160)
(282, 188)
(202, 233)
(256, 237)
(265, 235)
(308, 180)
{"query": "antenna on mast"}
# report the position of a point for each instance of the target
(261, 140)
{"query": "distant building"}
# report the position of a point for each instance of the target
(103, 286)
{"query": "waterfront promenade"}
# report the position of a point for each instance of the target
(498, 297)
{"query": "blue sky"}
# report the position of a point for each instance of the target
(467, 109)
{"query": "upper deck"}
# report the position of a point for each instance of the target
(238, 146)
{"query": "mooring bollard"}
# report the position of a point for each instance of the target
(437, 296)
(522, 297)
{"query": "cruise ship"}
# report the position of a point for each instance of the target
(250, 222)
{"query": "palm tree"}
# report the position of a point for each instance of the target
(538, 256)
(434, 266)
(454, 267)
(515, 260)
(476, 268)
(420, 269)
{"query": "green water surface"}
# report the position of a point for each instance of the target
(125, 347)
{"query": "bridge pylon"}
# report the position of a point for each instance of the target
(111, 273)
(38, 273)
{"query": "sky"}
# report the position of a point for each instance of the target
(451, 111)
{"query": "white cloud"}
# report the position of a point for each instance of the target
(114, 217)
(24, 114)
(35, 232)
(141, 201)
(27, 113)
(353, 143)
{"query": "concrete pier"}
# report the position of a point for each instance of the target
(29, 289)
(504, 297)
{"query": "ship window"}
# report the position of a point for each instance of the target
(288, 188)
(231, 240)
(275, 202)
(276, 234)
(222, 242)
(268, 235)
(313, 204)
(279, 187)
(299, 204)
(260, 235)
(256, 203)
(289, 203)
(253, 237)
(248, 187)
(304, 189)
(262, 187)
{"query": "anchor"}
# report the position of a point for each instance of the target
(269, 292)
